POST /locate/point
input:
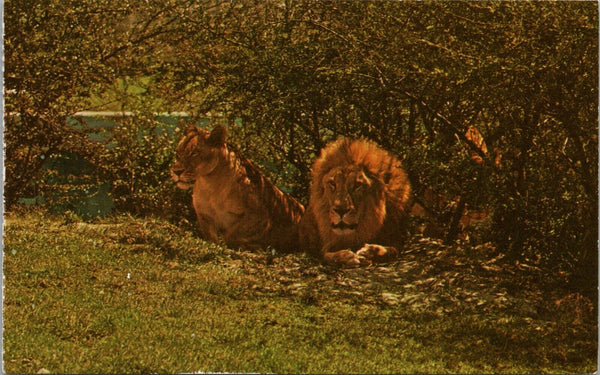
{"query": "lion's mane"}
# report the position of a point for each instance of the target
(386, 207)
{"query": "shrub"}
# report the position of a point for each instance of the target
(136, 161)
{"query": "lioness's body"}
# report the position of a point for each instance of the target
(359, 196)
(231, 197)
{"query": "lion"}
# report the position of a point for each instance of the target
(231, 197)
(359, 201)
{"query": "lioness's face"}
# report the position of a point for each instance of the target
(197, 154)
(346, 189)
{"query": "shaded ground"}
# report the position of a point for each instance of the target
(443, 281)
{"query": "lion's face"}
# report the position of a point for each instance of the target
(198, 154)
(346, 190)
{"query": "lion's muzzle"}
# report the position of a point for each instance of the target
(343, 226)
(343, 220)
(178, 175)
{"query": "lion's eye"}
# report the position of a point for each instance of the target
(331, 184)
(359, 187)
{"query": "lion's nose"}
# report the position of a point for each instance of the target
(176, 173)
(341, 211)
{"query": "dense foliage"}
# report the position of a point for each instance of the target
(414, 76)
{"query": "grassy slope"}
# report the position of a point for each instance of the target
(126, 295)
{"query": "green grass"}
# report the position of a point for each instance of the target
(129, 295)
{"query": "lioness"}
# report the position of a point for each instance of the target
(359, 195)
(231, 196)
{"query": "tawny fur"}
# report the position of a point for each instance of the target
(380, 211)
(231, 197)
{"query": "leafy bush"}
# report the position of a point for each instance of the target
(136, 161)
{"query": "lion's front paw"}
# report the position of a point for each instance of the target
(378, 253)
(346, 258)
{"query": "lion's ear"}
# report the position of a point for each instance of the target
(217, 136)
(191, 129)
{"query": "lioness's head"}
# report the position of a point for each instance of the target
(198, 153)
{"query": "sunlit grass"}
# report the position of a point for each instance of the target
(128, 295)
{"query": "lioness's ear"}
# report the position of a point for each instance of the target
(191, 129)
(217, 136)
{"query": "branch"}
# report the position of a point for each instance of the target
(446, 49)
(455, 129)
(162, 29)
